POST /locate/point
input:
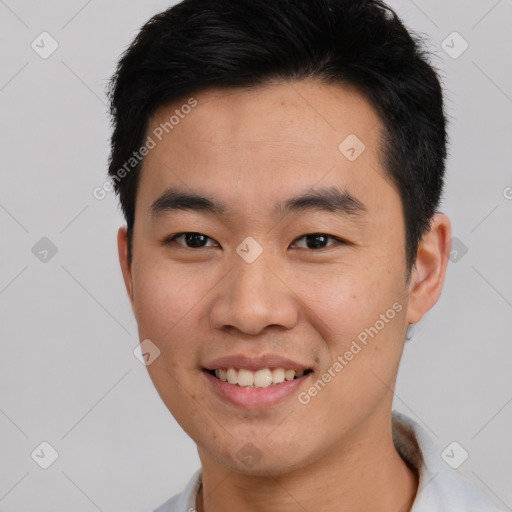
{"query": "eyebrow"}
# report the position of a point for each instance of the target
(329, 199)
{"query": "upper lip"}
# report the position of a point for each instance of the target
(256, 363)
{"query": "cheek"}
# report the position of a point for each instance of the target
(163, 296)
(164, 309)
(344, 299)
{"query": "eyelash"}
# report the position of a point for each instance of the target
(173, 238)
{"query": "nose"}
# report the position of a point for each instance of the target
(252, 297)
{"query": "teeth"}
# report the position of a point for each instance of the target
(260, 379)
(289, 374)
(246, 378)
(232, 376)
(278, 375)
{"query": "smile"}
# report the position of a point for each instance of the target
(262, 378)
(256, 382)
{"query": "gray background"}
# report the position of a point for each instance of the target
(68, 375)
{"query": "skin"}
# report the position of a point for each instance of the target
(252, 149)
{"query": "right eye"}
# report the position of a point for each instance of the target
(191, 240)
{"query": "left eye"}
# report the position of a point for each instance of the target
(316, 241)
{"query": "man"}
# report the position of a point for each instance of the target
(280, 165)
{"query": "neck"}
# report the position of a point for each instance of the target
(365, 474)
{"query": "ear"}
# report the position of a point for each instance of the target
(428, 273)
(122, 248)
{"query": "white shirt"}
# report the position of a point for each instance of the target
(440, 489)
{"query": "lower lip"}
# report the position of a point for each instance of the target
(255, 398)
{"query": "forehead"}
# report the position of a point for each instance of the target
(249, 144)
(275, 112)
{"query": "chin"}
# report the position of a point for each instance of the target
(248, 459)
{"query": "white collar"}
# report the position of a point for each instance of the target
(440, 489)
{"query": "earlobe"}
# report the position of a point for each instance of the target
(428, 273)
(122, 248)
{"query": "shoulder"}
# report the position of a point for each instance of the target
(440, 487)
(171, 505)
(185, 500)
(452, 491)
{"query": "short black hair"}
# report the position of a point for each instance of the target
(201, 44)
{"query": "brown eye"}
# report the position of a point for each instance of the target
(192, 240)
(315, 241)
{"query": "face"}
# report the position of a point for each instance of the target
(292, 260)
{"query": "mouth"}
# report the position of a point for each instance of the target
(256, 382)
(261, 378)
